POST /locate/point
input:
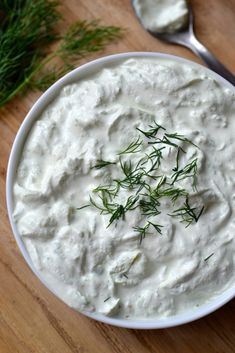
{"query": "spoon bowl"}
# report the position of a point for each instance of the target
(187, 38)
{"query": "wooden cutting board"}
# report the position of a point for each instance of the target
(32, 320)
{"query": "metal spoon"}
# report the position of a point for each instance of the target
(187, 38)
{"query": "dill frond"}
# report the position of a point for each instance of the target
(26, 29)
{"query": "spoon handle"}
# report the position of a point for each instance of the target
(210, 59)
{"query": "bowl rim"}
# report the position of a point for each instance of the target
(48, 96)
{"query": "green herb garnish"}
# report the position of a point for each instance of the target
(150, 206)
(208, 257)
(80, 208)
(107, 299)
(187, 213)
(133, 147)
(153, 130)
(188, 171)
(146, 185)
(120, 210)
(143, 231)
(100, 163)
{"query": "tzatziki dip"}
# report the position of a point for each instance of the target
(124, 195)
(168, 16)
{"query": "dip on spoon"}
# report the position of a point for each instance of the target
(172, 21)
(162, 16)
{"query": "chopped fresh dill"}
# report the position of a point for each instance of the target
(153, 131)
(106, 207)
(80, 208)
(145, 183)
(116, 210)
(127, 168)
(118, 213)
(161, 182)
(188, 171)
(176, 168)
(132, 174)
(180, 137)
(107, 299)
(131, 203)
(157, 227)
(120, 210)
(166, 141)
(155, 156)
(142, 231)
(100, 163)
(187, 213)
(150, 206)
(173, 193)
(208, 257)
(133, 147)
(110, 190)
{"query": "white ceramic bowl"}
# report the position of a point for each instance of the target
(34, 113)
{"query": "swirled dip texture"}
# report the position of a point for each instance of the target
(162, 15)
(108, 270)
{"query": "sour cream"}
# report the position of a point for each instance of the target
(167, 16)
(107, 270)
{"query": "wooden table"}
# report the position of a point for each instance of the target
(31, 318)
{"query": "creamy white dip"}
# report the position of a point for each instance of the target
(107, 270)
(162, 15)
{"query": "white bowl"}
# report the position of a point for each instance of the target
(33, 114)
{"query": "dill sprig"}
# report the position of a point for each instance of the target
(208, 257)
(173, 193)
(50, 75)
(143, 231)
(100, 163)
(121, 210)
(155, 157)
(85, 206)
(179, 137)
(150, 206)
(153, 130)
(105, 206)
(118, 213)
(188, 171)
(132, 174)
(131, 203)
(166, 141)
(107, 299)
(26, 29)
(176, 168)
(157, 227)
(110, 190)
(133, 147)
(84, 37)
(187, 213)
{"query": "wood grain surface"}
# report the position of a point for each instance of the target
(32, 320)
